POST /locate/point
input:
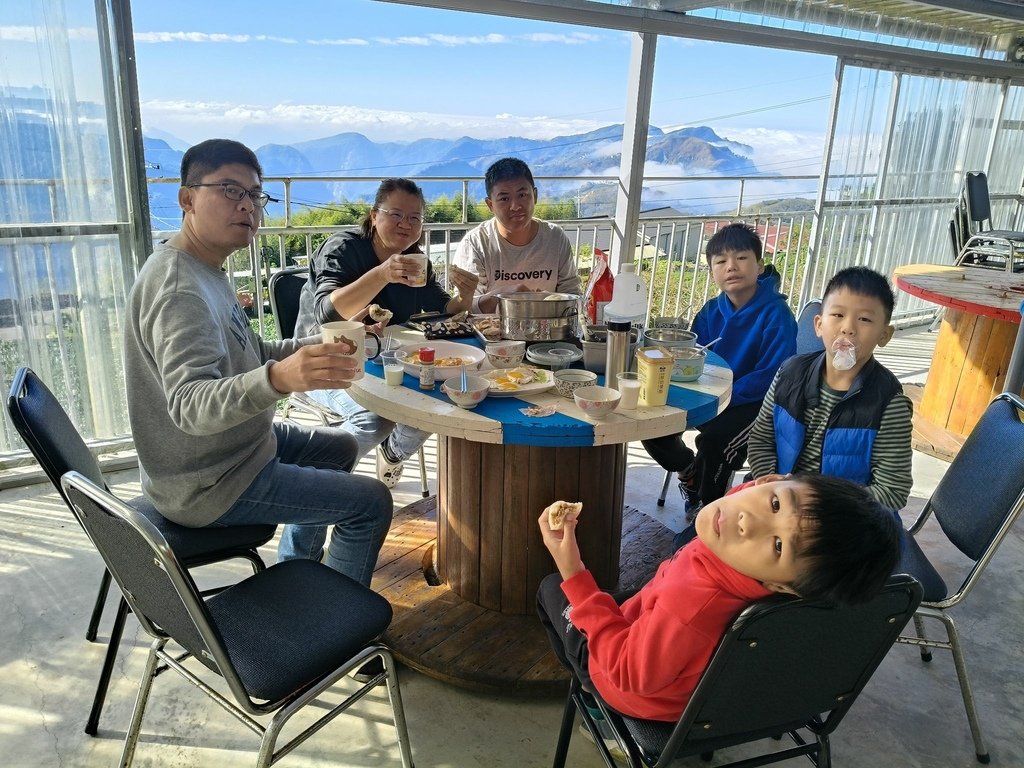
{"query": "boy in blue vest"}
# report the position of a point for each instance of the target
(840, 412)
(757, 332)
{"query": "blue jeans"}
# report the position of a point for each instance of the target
(308, 487)
(369, 429)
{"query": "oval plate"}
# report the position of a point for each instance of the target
(474, 355)
(499, 388)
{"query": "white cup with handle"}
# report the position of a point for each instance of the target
(353, 335)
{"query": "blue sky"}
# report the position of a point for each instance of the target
(282, 72)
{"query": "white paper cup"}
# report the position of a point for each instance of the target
(353, 335)
(418, 281)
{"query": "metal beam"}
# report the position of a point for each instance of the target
(585, 13)
(1001, 9)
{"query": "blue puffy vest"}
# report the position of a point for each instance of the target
(852, 426)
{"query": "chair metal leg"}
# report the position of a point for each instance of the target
(131, 738)
(397, 709)
(965, 688)
(423, 474)
(664, 488)
(97, 609)
(565, 730)
(926, 651)
(93, 723)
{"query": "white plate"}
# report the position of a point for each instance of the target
(445, 349)
(532, 388)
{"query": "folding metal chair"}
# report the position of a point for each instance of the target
(285, 289)
(784, 666)
(279, 639)
(976, 503)
(59, 448)
(984, 246)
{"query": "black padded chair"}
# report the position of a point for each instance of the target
(58, 447)
(285, 288)
(784, 666)
(279, 638)
(976, 503)
(982, 245)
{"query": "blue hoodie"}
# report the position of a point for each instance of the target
(756, 338)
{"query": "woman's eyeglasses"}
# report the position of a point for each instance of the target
(397, 217)
(234, 192)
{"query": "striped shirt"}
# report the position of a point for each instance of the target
(891, 456)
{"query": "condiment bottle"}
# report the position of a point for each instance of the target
(426, 367)
(617, 352)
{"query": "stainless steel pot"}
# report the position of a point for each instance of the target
(539, 316)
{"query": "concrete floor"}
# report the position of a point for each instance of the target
(909, 715)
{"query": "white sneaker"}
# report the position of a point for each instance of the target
(387, 472)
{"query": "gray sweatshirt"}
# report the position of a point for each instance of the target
(545, 263)
(199, 395)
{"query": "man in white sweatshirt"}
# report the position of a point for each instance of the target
(514, 251)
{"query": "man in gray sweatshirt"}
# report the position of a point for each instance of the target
(202, 388)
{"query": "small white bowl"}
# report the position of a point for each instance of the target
(596, 402)
(506, 354)
(688, 364)
(476, 390)
(568, 380)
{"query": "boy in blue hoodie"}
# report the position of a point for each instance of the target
(758, 332)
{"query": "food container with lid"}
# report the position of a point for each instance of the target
(539, 316)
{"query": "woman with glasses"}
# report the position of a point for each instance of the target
(380, 264)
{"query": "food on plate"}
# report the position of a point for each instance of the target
(378, 314)
(558, 511)
(443, 362)
(538, 410)
(489, 328)
(511, 380)
(452, 328)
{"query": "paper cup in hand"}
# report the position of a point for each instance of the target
(353, 337)
(418, 280)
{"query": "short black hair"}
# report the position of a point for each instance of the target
(849, 543)
(507, 169)
(207, 156)
(864, 282)
(734, 237)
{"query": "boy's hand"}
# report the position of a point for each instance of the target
(562, 544)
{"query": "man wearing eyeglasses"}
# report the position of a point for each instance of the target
(202, 388)
(515, 251)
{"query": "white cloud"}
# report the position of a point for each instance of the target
(206, 37)
(287, 123)
(27, 34)
(780, 151)
(417, 41)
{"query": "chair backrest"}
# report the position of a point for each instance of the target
(806, 339)
(47, 430)
(981, 494)
(158, 589)
(787, 663)
(285, 287)
(979, 207)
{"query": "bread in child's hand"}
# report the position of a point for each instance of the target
(558, 511)
(378, 314)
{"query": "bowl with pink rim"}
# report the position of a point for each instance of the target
(596, 402)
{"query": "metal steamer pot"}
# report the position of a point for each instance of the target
(539, 316)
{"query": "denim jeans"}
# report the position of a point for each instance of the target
(369, 429)
(307, 488)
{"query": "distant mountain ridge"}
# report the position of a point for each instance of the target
(696, 150)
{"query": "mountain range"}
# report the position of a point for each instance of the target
(686, 151)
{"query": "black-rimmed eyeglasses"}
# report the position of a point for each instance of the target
(236, 193)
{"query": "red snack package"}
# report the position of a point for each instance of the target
(599, 288)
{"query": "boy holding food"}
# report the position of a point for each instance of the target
(819, 537)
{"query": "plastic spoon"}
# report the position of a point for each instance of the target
(463, 381)
(706, 346)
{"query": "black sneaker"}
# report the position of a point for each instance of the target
(369, 670)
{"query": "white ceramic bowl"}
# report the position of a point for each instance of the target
(596, 402)
(568, 380)
(688, 364)
(476, 390)
(506, 354)
(473, 356)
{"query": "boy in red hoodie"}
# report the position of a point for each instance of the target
(819, 537)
